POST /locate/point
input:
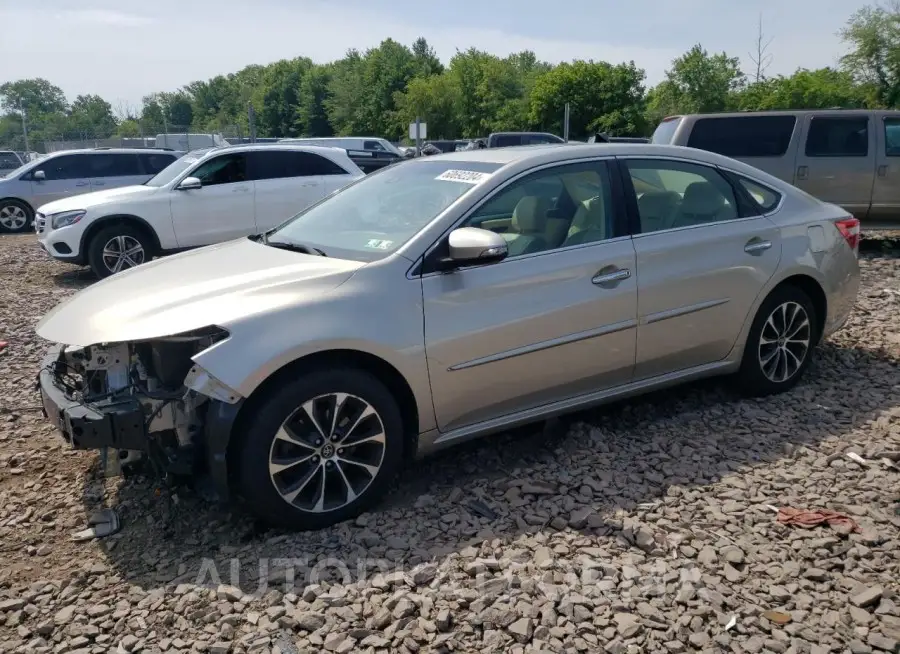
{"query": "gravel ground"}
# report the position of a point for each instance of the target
(646, 526)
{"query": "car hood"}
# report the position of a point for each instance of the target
(210, 286)
(88, 200)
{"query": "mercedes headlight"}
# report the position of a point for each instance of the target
(66, 218)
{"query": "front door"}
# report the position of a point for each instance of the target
(554, 321)
(836, 161)
(64, 176)
(701, 263)
(222, 209)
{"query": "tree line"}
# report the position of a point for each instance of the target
(378, 92)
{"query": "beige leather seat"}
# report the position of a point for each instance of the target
(589, 223)
(657, 210)
(529, 222)
(703, 203)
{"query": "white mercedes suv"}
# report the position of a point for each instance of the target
(208, 196)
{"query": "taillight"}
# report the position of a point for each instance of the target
(849, 229)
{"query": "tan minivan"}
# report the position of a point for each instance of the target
(847, 157)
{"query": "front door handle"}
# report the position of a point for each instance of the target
(757, 247)
(802, 172)
(607, 277)
(82, 184)
(98, 183)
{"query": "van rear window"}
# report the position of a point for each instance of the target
(744, 136)
(665, 132)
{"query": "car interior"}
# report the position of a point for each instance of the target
(550, 212)
(680, 199)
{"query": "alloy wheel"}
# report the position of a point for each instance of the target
(122, 252)
(13, 217)
(327, 452)
(784, 342)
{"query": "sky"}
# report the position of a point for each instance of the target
(125, 49)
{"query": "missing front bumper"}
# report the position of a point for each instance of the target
(118, 424)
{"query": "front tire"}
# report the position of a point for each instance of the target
(780, 343)
(15, 216)
(320, 450)
(117, 248)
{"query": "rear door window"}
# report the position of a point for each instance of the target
(665, 131)
(278, 164)
(114, 165)
(743, 136)
(892, 137)
(838, 136)
(155, 162)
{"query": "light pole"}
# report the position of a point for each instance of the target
(25, 130)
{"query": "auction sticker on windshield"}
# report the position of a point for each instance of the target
(466, 176)
(379, 244)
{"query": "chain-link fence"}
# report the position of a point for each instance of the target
(44, 139)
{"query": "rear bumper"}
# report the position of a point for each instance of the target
(119, 424)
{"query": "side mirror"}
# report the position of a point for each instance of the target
(475, 246)
(39, 175)
(190, 184)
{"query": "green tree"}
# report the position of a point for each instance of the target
(178, 110)
(426, 60)
(435, 100)
(37, 97)
(601, 97)
(697, 83)
(806, 89)
(277, 97)
(92, 117)
(311, 114)
(346, 95)
(153, 120)
(873, 34)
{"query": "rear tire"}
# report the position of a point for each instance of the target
(780, 344)
(15, 216)
(304, 465)
(117, 248)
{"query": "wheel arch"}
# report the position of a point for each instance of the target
(116, 219)
(19, 200)
(382, 370)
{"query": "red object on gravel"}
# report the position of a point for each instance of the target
(812, 518)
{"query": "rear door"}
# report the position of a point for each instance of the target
(885, 209)
(112, 170)
(64, 176)
(285, 182)
(703, 255)
(222, 209)
(837, 160)
(764, 142)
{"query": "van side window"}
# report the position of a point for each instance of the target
(892, 137)
(374, 145)
(743, 136)
(838, 137)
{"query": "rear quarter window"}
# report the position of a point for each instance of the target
(744, 136)
(767, 199)
(665, 131)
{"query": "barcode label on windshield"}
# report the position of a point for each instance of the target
(465, 176)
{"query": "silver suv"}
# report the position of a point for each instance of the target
(63, 174)
(443, 299)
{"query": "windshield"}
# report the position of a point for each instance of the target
(371, 218)
(174, 169)
(16, 171)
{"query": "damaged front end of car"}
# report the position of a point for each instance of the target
(143, 399)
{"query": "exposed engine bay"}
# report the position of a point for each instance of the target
(137, 398)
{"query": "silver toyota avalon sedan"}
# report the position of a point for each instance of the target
(442, 299)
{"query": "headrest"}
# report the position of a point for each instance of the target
(530, 213)
(703, 199)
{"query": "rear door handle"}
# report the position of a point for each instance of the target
(612, 277)
(98, 183)
(882, 171)
(82, 184)
(757, 247)
(802, 172)
(240, 189)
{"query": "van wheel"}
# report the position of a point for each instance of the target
(15, 216)
(320, 450)
(117, 248)
(780, 343)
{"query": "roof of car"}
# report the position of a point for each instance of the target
(113, 151)
(280, 145)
